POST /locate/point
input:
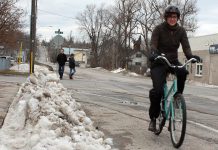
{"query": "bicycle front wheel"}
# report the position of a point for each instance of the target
(178, 121)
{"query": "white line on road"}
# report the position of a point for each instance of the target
(189, 121)
(203, 126)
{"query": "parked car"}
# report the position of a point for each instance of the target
(12, 60)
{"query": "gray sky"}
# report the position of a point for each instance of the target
(59, 14)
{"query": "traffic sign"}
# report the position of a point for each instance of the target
(59, 32)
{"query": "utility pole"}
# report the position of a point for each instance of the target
(33, 35)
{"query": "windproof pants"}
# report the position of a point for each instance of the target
(158, 76)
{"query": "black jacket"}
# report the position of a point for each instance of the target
(71, 62)
(61, 59)
(166, 39)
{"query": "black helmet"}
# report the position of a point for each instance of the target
(171, 9)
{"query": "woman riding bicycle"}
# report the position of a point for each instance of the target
(166, 39)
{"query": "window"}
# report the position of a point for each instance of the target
(213, 49)
(138, 63)
(199, 68)
(138, 55)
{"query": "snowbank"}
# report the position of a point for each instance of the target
(44, 116)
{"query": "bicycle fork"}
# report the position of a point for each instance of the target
(168, 101)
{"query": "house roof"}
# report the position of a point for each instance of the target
(202, 42)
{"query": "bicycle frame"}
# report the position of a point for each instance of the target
(168, 101)
(173, 109)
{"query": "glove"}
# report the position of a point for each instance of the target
(196, 57)
(152, 56)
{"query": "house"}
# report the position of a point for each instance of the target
(207, 48)
(80, 55)
(138, 62)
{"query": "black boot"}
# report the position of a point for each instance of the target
(152, 125)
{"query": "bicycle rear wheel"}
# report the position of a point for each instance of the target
(161, 119)
(178, 121)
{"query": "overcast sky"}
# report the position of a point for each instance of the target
(60, 14)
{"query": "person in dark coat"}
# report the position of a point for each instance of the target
(72, 66)
(61, 59)
(166, 39)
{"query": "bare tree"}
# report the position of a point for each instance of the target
(149, 18)
(10, 23)
(188, 15)
(122, 23)
(111, 30)
(91, 21)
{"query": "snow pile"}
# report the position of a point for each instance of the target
(125, 72)
(118, 70)
(44, 116)
(133, 74)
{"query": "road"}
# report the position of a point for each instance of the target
(119, 106)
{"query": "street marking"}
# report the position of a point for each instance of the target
(203, 126)
(189, 121)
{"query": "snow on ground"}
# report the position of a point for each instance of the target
(45, 116)
(120, 70)
(100, 68)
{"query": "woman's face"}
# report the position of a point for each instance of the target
(172, 19)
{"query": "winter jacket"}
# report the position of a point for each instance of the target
(166, 39)
(61, 59)
(71, 62)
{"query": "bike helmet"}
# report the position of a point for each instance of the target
(171, 9)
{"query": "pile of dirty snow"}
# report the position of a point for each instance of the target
(45, 116)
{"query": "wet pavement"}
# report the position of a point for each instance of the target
(8, 91)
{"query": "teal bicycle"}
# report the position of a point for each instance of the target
(173, 108)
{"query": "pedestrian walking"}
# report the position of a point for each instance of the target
(72, 66)
(61, 59)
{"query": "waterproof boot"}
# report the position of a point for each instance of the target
(152, 125)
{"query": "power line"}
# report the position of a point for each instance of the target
(51, 13)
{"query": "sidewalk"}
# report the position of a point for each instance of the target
(8, 91)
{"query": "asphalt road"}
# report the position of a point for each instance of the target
(119, 105)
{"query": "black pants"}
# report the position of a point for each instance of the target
(158, 76)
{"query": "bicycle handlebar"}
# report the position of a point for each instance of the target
(173, 66)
